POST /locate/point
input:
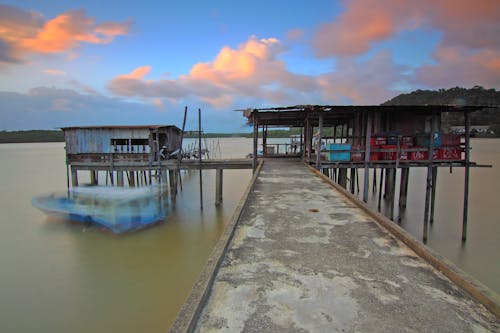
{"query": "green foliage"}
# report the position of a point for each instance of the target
(31, 136)
(476, 95)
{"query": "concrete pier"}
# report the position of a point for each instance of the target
(304, 258)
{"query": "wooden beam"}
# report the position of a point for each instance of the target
(467, 174)
(367, 156)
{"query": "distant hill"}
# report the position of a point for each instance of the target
(458, 96)
(31, 136)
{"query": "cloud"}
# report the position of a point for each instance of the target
(23, 32)
(253, 70)
(366, 82)
(55, 72)
(49, 108)
(461, 67)
(465, 23)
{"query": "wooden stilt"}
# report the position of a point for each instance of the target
(131, 179)
(318, 143)
(367, 156)
(255, 138)
(93, 177)
(343, 177)
(433, 193)
(428, 186)
(352, 180)
(74, 176)
(393, 193)
(218, 186)
(119, 178)
(199, 159)
(380, 188)
(467, 175)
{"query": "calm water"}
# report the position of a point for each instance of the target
(58, 276)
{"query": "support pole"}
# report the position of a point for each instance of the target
(218, 186)
(393, 192)
(131, 179)
(255, 138)
(93, 177)
(467, 174)
(343, 177)
(74, 177)
(380, 188)
(353, 179)
(119, 178)
(428, 187)
(403, 191)
(433, 193)
(318, 142)
(199, 159)
(367, 156)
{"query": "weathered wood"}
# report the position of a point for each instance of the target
(131, 179)
(119, 178)
(342, 177)
(218, 186)
(428, 186)
(255, 139)
(318, 142)
(352, 181)
(199, 158)
(367, 156)
(467, 175)
(393, 193)
(433, 194)
(380, 188)
(74, 177)
(93, 177)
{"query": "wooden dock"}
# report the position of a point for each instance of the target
(317, 260)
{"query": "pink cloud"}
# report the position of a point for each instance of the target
(54, 72)
(23, 33)
(364, 22)
(368, 82)
(253, 70)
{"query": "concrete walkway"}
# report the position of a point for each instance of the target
(305, 259)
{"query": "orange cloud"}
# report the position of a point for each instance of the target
(252, 70)
(364, 22)
(23, 33)
(55, 72)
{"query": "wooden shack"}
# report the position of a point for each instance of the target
(388, 138)
(118, 149)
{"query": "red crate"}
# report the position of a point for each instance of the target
(407, 141)
(392, 155)
(450, 139)
(424, 155)
(356, 155)
(450, 153)
(378, 141)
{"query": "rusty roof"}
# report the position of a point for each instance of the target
(150, 127)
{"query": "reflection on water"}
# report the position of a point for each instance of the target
(61, 276)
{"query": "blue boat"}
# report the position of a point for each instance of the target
(119, 209)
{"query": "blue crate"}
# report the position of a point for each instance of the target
(343, 153)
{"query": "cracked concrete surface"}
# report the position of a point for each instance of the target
(305, 259)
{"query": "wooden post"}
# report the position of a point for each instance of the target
(74, 176)
(218, 186)
(93, 177)
(199, 159)
(403, 191)
(367, 156)
(374, 185)
(255, 138)
(119, 178)
(353, 180)
(428, 182)
(380, 188)
(264, 142)
(467, 174)
(343, 177)
(131, 179)
(318, 142)
(433, 193)
(393, 192)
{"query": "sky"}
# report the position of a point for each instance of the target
(81, 63)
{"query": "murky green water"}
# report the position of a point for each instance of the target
(58, 276)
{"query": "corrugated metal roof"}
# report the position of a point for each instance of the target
(150, 127)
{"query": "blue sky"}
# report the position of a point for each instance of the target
(68, 63)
